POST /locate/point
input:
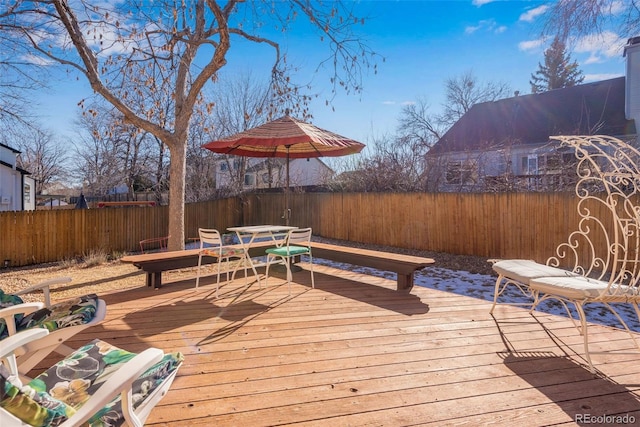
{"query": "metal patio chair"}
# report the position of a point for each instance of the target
(297, 242)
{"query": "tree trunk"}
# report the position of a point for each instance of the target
(177, 169)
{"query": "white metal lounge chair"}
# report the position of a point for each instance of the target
(97, 385)
(297, 242)
(600, 262)
(64, 320)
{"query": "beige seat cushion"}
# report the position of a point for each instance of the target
(582, 287)
(569, 287)
(523, 270)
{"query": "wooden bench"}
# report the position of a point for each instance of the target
(156, 263)
(403, 265)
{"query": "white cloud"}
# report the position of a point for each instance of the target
(600, 47)
(617, 7)
(398, 103)
(471, 29)
(481, 2)
(599, 77)
(532, 14)
(529, 45)
(487, 25)
(592, 59)
(37, 60)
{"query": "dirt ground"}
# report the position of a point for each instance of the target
(99, 279)
(114, 275)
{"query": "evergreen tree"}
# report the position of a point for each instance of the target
(557, 72)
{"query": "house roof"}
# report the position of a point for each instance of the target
(588, 109)
(18, 168)
(10, 148)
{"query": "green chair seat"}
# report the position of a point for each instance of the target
(288, 251)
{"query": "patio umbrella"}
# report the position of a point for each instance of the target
(289, 138)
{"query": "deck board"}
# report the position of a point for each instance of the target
(356, 352)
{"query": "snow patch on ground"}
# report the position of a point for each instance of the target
(482, 286)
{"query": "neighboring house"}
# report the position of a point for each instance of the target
(505, 145)
(264, 173)
(17, 188)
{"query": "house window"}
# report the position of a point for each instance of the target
(27, 193)
(530, 165)
(225, 164)
(249, 180)
(460, 173)
(552, 163)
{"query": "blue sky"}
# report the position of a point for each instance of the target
(424, 43)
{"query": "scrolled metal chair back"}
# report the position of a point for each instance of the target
(606, 244)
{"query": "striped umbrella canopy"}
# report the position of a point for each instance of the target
(289, 138)
(286, 137)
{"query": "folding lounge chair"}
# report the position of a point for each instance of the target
(63, 320)
(97, 385)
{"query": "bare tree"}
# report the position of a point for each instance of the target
(42, 156)
(111, 153)
(419, 125)
(97, 164)
(243, 103)
(392, 165)
(585, 17)
(21, 74)
(176, 50)
(464, 91)
(201, 164)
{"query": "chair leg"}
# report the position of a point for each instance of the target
(218, 278)
(585, 334)
(287, 263)
(496, 292)
(313, 283)
(245, 261)
(198, 273)
(266, 272)
(242, 260)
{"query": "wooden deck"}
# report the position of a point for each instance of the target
(354, 352)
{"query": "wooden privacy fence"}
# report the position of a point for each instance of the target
(513, 225)
(35, 237)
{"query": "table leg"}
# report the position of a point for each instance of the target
(245, 248)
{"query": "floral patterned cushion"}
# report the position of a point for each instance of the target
(76, 311)
(32, 407)
(223, 252)
(73, 380)
(7, 300)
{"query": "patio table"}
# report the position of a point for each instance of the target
(247, 235)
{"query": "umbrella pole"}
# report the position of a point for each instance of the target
(287, 210)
